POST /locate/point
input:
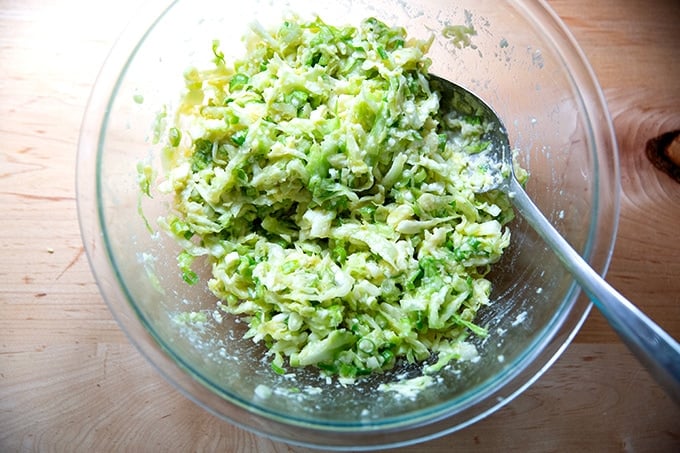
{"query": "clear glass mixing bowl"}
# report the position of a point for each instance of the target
(522, 60)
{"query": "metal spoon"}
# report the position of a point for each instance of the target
(653, 347)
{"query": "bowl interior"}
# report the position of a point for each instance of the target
(521, 60)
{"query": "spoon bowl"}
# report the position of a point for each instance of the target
(654, 348)
(498, 152)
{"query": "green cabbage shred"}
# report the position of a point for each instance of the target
(333, 201)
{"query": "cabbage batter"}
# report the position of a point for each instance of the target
(336, 205)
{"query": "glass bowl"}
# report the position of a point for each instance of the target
(521, 59)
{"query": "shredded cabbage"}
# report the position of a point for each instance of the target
(337, 207)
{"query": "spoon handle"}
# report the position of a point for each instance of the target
(653, 347)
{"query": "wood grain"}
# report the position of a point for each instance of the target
(634, 49)
(70, 380)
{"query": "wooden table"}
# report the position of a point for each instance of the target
(70, 380)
